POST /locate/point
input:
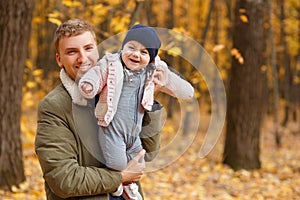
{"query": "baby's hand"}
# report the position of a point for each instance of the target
(86, 87)
(160, 77)
(161, 72)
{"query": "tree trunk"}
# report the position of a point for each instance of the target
(246, 87)
(45, 49)
(275, 77)
(136, 13)
(229, 16)
(286, 65)
(170, 59)
(296, 76)
(208, 19)
(15, 23)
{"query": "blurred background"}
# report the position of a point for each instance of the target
(256, 48)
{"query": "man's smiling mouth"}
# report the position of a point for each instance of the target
(84, 67)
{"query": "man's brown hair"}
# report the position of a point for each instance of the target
(72, 27)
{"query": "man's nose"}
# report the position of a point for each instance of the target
(82, 57)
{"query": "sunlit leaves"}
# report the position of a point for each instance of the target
(55, 14)
(119, 24)
(244, 18)
(296, 80)
(29, 63)
(175, 51)
(37, 20)
(194, 178)
(55, 21)
(71, 3)
(37, 72)
(237, 55)
(263, 68)
(206, 179)
(54, 17)
(218, 47)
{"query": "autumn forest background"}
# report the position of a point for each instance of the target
(256, 48)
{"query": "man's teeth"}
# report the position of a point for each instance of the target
(84, 67)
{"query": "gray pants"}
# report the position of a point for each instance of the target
(120, 141)
(119, 148)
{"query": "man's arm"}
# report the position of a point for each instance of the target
(59, 149)
(151, 131)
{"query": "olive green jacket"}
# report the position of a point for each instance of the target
(67, 148)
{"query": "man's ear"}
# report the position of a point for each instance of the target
(58, 60)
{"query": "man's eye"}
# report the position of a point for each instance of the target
(89, 48)
(71, 52)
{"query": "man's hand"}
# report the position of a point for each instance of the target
(134, 169)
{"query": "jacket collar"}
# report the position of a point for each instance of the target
(72, 88)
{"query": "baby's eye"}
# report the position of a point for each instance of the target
(144, 52)
(131, 48)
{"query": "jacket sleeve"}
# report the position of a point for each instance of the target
(97, 77)
(58, 150)
(151, 132)
(174, 85)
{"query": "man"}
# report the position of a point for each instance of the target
(66, 141)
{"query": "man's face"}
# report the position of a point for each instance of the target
(77, 54)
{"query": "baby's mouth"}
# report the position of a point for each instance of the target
(135, 61)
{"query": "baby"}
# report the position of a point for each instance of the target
(125, 82)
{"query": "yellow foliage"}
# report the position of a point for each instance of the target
(237, 55)
(244, 18)
(30, 84)
(168, 128)
(114, 2)
(175, 51)
(218, 47)
(37, 72)
(71, 3)
(197, 94)
(263, 68)
(203, 86)
(29, 63)
(242, 10)
(224, 74)
(241, 60)
(180, 33)
(99, 8)
(179, 29)
(54, 21)
(296, 80)
(39, 79)
(119, 24)
(27, 100)
(37, 20)
(55, 14)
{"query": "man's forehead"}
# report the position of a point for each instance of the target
(77, 41)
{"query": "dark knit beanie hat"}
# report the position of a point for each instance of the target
(146, 36)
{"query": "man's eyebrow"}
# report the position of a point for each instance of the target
(70, 49)
(89, 44)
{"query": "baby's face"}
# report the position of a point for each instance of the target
(135, 55)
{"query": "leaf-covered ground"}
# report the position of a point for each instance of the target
(193, 178)
(190, 177)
